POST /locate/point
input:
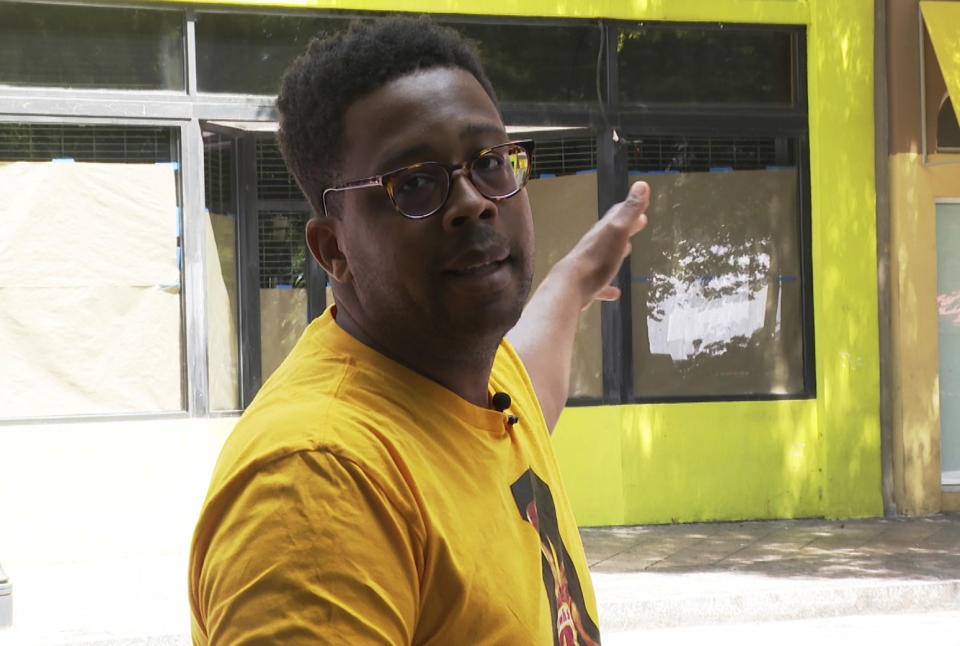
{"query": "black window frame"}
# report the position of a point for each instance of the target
(599, 118)
(607, 116)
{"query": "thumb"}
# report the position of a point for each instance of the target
(605, 293)
(631, 212)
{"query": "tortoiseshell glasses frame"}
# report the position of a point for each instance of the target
(420, 190)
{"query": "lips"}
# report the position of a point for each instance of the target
(477, 261)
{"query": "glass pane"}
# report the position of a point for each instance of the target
(538, 63)
(283, 294)
(248, 54)
(219, 163)
(948, 129)
(96, 330)
(90, 47)
(705, 66)
(717, 290)
(948, 301)
(563, 182)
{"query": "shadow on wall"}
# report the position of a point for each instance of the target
(720, 461)
(840, 63)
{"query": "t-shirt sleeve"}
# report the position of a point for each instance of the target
(310, 550)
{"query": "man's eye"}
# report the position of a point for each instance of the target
(489, 162)
(414, 182)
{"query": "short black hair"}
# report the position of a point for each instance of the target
(335, 71)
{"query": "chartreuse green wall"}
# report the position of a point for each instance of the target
(735, 460)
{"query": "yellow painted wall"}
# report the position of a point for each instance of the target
(840, 68)
(725, 461)
(691, 462)
(764, 11)
(914, 189)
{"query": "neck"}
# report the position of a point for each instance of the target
(466, 373)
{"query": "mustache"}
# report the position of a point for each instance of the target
(481, 238)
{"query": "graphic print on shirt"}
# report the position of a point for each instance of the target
(574, 627)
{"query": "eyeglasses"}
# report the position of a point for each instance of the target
(421, 190)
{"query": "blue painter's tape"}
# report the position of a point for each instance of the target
(721, 169)
(587, 171)
(780, 168)
(176, 165)
(784, 279)
(63, 160)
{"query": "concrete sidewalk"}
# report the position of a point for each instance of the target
(827, 582)
(714, 574)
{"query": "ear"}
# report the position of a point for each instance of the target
(324, 244)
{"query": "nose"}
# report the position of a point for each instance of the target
(465, 202)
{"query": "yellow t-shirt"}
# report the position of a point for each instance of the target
(358, 502)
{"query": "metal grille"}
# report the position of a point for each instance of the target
(218, 174)
(690, 154)
(43, 142)
(282, 248)
(274, 182)
(564, 156)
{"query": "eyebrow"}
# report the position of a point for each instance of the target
(402, 157)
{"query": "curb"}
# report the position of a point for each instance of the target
(777, 601)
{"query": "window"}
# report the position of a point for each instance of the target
(223, 361)
(948, 130)
(90, 47)
(248, 53)
(538, 63)
(563, 198)
(716, 292)
(704, 66)
(89, 273)
(716, 296)
(719, 283)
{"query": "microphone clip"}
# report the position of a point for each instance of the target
(501, 401)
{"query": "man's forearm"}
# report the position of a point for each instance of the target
(544, 335)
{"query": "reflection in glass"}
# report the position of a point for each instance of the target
(564, 206)
(283, 293)
(538, 63)
(90, 47)
(948, 337)
(219, 163)
(717, 290)
(705, 66)
(948, 128)
(248, 53)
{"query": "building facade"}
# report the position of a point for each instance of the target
(775, 353)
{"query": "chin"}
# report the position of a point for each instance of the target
(489, 322)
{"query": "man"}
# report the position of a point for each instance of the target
(393, 481)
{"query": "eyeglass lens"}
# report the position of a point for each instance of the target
(498, 173)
